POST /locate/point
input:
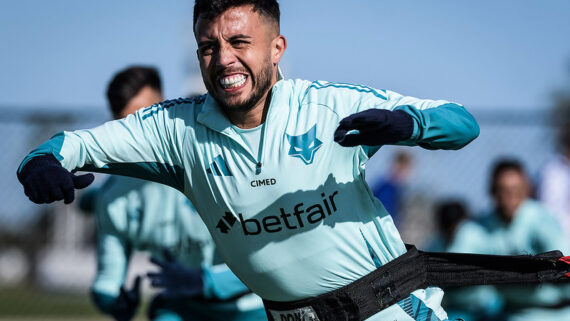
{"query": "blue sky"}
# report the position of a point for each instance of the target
(483, 54)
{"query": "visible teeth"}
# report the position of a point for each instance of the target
(232, 81)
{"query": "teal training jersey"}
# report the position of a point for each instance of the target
(533, 230)
(296, 221)
(133, 214)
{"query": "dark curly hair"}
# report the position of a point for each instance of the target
(209, 9)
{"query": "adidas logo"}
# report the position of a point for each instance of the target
(218, 167)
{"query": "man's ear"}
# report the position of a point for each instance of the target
(278, 46)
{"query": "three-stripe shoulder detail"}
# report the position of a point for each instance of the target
(154, 109)
(317, 85)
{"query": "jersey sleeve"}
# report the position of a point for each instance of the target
(221, 283)
(113, 253)
(438, 124)
(145, 145)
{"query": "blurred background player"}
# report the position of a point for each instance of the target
(389, 190)
(455, 231)
(516, 224)
(458, 232)
(133, 214)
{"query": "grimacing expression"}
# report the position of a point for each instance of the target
(238, 57)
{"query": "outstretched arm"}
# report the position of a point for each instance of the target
(144, 145)
(401, 120)
(448, 126)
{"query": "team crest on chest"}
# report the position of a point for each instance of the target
(304, 146)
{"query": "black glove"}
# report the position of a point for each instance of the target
(128, 301)
(176, 279)
(46, 181)
(374, 127)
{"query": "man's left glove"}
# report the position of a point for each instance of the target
(176, 279)
(46, 181)
(125, 307)
(374, 127)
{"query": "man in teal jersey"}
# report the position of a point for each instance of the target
(132, 214)
(274, 167)
(515, 225)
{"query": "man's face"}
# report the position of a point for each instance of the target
(511, 189)
(238, 53)
(144, 98)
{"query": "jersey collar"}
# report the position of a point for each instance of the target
(213, 117)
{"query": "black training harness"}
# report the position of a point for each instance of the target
(414, 270)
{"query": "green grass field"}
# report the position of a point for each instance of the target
(25, 303)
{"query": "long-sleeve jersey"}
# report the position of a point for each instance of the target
(294, 218)
(131, 215)
(533, 230)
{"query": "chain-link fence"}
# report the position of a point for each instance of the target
(524, 135)
(47, 259)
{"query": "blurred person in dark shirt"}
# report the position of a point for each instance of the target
(390, 188)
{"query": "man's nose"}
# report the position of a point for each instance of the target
(226, 57)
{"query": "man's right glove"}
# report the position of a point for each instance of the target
(127, 303)
(46, 181)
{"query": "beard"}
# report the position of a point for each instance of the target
(260, 82)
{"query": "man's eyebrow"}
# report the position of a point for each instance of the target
(205, 42)
(240, 36)
(234, 37)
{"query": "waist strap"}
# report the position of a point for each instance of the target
(414, 270)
